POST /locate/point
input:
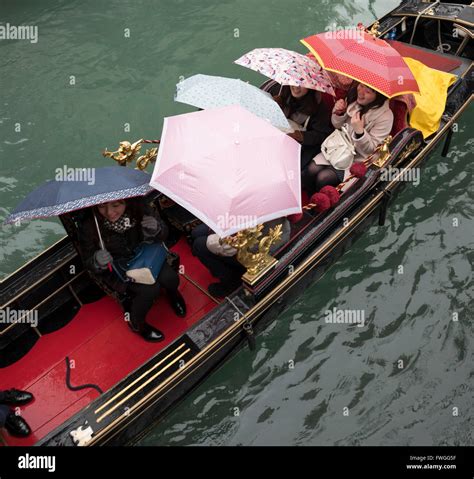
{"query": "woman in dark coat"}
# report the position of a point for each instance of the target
(123, 226)
(306, 108)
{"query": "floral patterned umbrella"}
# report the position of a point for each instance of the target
(287, 68)
(206, 91)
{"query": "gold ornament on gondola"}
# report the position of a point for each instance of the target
(148, 157)
(374, 29)
(253, 251)
(384, 153)
(409, 149)
(127, 153)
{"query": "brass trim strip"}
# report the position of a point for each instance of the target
(47, 275)
(32, 259)
(36, 306)
(111, 410)
(139, 378)
(200, 288)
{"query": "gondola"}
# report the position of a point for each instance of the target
(97, 384)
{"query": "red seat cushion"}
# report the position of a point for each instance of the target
(399, 110)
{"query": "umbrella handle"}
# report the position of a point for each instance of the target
(109, 265)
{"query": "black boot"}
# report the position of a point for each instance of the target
(138, 325)
(17, 426)
(151, 334)
(147, 332)
(177, 303)
(16, 397)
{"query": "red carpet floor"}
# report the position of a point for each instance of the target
(103, 349)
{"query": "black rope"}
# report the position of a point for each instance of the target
(78, 388)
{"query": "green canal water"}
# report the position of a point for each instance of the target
(100, 68)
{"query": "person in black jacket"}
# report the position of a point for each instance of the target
(305, 108)
(123, 226)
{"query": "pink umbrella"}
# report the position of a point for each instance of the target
(230, 168)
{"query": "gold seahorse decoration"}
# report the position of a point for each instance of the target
(148, 157)
(253, 251)
(127, 152)
(384, 153)
(374, 29)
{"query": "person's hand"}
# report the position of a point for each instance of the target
(212, 243)
(214, 246)
(357, 123)
(296, 135)
(340, 107)
(150, 224)
(102, 258)
(228, 250)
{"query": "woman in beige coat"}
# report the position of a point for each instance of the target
(369, 120)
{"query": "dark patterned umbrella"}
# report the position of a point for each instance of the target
(54, 198)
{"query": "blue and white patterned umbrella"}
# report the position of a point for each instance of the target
(206, 91)
(54, 198)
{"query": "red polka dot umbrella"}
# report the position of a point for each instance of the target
(365, 58)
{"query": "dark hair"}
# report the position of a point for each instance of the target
(307, 104)
(133, 207)
(377, 103)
